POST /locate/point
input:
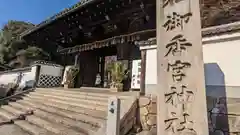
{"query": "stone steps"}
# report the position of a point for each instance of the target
(75, 100)
(60, 106)
(58, 101)
(41, 119)
(85, 118)
(64, 112)
(26, 126)
(103, 94)
(12, 129)
(52, 115)
(68, 122)
(72, 96)
(50, 126)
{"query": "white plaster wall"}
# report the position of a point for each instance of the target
(51, 70)
(225, 59)
(11, 77)
(27, 76)
(151, 71)
(7, 78)
(221, 57)
(151, 66)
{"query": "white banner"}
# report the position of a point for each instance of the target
(136, 74)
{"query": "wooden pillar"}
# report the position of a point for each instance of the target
(102, 70)
(37, 74)
(76, 60)
(143, 71)
(182, 108)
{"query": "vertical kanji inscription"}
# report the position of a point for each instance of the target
(176, 20)
(177, 69)
(170, 2)
(177, 45)
(181, 89)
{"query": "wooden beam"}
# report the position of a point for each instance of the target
(143, 71)
(69, 24)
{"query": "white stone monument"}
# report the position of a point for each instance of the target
(113, 118)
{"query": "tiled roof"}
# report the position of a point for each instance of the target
(206, 32)
(58, 15)
(207, 7)
(215, 30)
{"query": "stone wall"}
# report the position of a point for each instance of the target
(223, 115)
(148, 113)
(12, 76)
(42, 73)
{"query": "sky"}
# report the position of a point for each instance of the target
(33, 11)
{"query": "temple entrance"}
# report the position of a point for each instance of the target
(94, 70)
(92, 66)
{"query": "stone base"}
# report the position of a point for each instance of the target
(146, 133)
(66, 86)
(115, 90)
(148, 114)
(223, 115)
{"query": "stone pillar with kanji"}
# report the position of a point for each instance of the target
(182, 108)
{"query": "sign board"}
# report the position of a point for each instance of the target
(113, 117)
(181, 88)
(136, 74)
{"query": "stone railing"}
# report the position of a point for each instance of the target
(129, 119)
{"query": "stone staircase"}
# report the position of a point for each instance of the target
(64, 112)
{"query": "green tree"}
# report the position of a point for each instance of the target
(11, 46)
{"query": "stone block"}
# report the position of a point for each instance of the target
(144, 133)
(152, 108)
(144, 124)
(148, 113)
(152, 120)
(144, 111)
(144, 101)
